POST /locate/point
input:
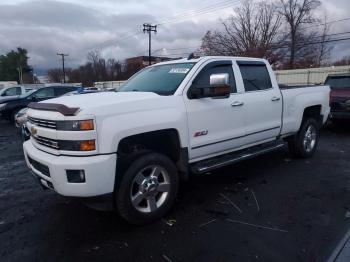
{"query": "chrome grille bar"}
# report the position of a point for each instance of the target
(46, 142)
(43, 123)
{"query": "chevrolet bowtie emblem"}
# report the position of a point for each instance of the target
(33, 131)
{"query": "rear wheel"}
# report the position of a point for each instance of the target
(147, 189)
(305, 142)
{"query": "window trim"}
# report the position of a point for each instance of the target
(254, 63)
(211, 64)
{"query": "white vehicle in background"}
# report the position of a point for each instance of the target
(132, 147)
(13, 91)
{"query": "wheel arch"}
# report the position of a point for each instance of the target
(165, 141)
(313, 112)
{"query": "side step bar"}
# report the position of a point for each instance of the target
(231, 158)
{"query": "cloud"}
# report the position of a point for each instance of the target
(114, 27)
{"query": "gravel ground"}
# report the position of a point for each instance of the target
(288, 210)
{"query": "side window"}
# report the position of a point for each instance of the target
(59, 91)
(203, 78)
(255, 76)
(44, 93)
(14, 91)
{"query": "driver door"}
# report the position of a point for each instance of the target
(215, 124)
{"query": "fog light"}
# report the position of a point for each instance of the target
(75, 176)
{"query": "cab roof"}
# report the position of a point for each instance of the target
(205, 58)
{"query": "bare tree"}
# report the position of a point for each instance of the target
(55, 75)
(324, 49)
(297, 13)
(344, 61)
(250, 32)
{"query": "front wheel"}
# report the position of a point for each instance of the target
(305, 142)
(147, 189)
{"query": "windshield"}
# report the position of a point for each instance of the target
(342, 82)
(162, 79)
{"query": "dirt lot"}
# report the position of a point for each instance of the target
(302, 212)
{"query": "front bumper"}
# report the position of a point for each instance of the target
(99, 171)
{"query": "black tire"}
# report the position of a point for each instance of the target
(126, 185)
(296, 142)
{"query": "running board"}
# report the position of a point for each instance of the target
(231, 158)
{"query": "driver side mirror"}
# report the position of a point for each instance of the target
(33, 98)
(219, 87)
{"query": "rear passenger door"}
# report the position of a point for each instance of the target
(262, 102)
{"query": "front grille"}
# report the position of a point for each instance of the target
(43, 169)
(52, 143)
(43, 123)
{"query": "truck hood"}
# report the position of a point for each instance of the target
(109, 102)
(340, 92)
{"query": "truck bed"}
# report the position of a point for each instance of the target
(295, 99)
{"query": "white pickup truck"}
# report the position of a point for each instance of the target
(13, 91)
(133, 147)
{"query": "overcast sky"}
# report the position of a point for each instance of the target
(114, 27)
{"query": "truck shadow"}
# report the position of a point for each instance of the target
(339, 128)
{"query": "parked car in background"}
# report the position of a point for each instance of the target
(13, 91)
(11, 106)
(81, 92)
(339, 96)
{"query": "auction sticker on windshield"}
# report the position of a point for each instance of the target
(179, 70)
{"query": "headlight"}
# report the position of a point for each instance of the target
(72, 125)
(2, 106)
(86, 145)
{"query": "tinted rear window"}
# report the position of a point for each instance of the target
(255, 76)
(338, 82)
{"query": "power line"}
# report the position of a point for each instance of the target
(329, 22)
(202, 11)
(313, 43)
(175, 19)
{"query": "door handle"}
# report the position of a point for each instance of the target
(275, 98)
(237, 103)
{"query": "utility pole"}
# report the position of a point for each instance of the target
(20, 74)
(149, 29)
(64, 72)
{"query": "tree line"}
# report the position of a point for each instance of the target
(286, 32)
(14, 66)
(94, 70)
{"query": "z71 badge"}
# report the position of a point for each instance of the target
(201, 133)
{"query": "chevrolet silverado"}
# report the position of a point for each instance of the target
(132, 148)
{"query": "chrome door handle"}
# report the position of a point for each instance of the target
(237, 103)
(275, 98)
